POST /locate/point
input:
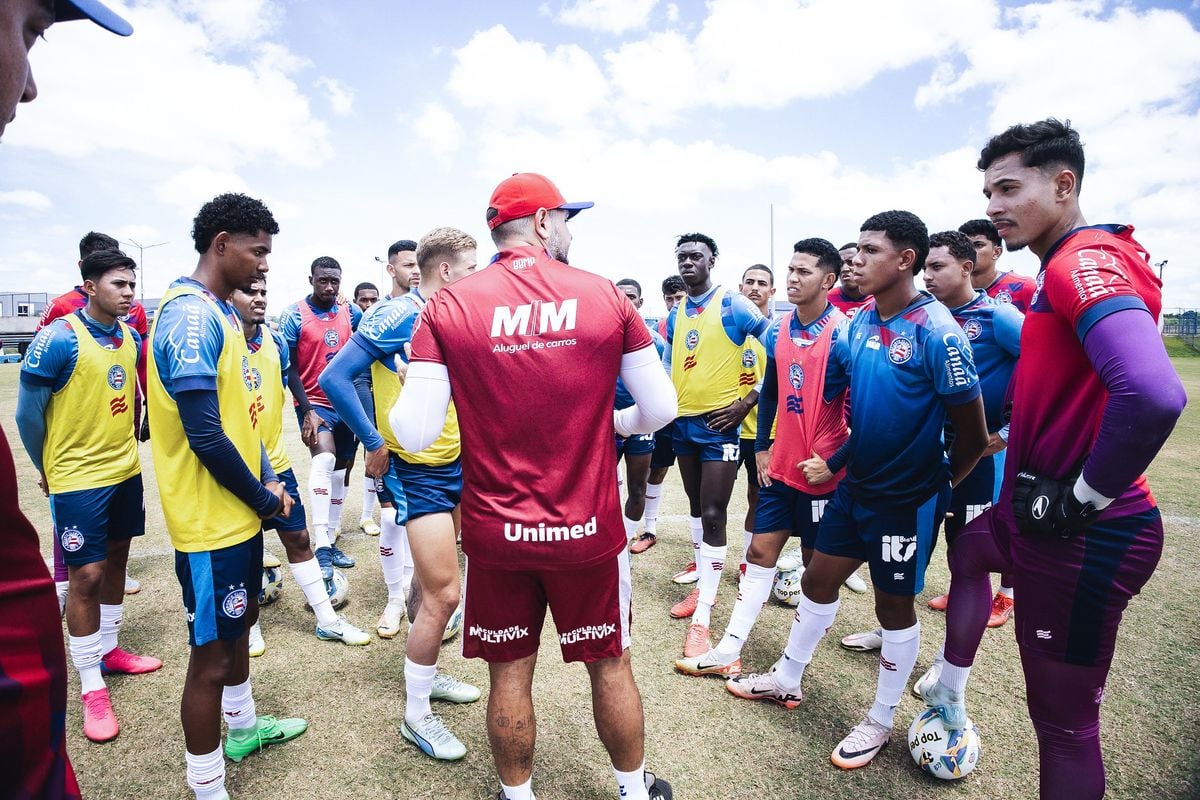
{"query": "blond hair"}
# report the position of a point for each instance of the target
(440, 244)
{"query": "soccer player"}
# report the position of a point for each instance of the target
(402, 267)
(1094, 398)
(909, 369)
(86, 363)
(757, 286)
(216, 483)
(530, 349)
(426, 487)
(365, 296)
(704, 360)
(1003, 287)
(316, 329)
(66, 304)
(32, 661)
(268, 361)
(847, 297)
(814, 420)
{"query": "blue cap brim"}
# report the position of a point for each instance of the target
(574, 208)
(97, 12)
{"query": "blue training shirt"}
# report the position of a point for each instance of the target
(994, 332)
(188, 340)
(280, 345)
(739, 317)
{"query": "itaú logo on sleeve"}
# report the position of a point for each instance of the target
(542, 532)
(533, 319)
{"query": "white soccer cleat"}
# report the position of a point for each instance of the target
(390, 620)
(454, 624)
(861, 745)
(452, 690)
(789, 561)
(132, 585)
(926, 681)
(765, 687)
(369, 526)
(342, 631)
(258, 645)
(949, 704)
(856, 584)
(865, 641)
(433, 737)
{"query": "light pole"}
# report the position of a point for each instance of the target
(141, 267)
(1160, 266)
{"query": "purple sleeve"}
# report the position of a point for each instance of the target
(1145, 398)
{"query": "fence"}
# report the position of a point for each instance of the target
(1183, 323)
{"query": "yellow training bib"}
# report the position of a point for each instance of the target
(705, 365)
(267, 366)
(385, 388)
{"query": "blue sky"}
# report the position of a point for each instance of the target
(361, 128)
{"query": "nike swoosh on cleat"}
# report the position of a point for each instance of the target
(763, 691)
(844, 754)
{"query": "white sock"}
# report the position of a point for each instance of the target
(320, 483)
(409, 569)
(307, 575)
(418, 685)
(811, 623)
(653, 499)
(710, 564)
(206, 774)
(632, 785)
(752, 596)
(86, 655)
(110, 626)
(337, 498)
(370, 496)
(939, 660)
(1007, 591)
(522, 792)
(392, 544)
(237, 706)
(696, 527)
(896, 661)
(747, 537)
(620, 484)
(631, 526)
(954, 678)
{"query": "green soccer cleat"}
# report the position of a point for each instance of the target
(267, 730)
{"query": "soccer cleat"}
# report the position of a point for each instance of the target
(657, 788)
(124, 663)
(940, 602)
(132, 585)
(861, 745)
(390, 620)
(258, 645)
(856, 584)
(926, 681)
(454, 624)
(342, 631)
(1002, 610)
(325, 561)
(267, 730)
(709, 664)
(789, 561)
(340, 559)
(950, 705)
(433, 737)
(764, 687)
(99, 721)
(696, 643)
(271, 560)
(369, 527)
(865, 641)
(687, 606)
(643, 543)
(687, 575)
(452, 690)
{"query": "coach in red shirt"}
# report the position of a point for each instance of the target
(530, 350)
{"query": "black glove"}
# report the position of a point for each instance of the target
(144, 430)
(1048, 507)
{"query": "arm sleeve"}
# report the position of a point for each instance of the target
(285, 357)
(837, 368)
(264, 466)
(50, 358)
(655, 403)
(746, 318)
(420, 412)
(355, 316)
(189, 342)
(950, 366)
(201, 418)
(338, 383)
(768, 406)
(31, 420)
(1006, 325)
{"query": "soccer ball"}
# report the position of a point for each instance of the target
(787, 587)
(272, 585)
(271, 560)
(945, 754)
(454, 624)
(338, 589)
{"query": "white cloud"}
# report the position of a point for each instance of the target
(195, 186)
(609, 16)
(27, 199)
(234, 23)
(438, 130)
(340, 96)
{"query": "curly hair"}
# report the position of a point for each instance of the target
(981, 227)
(231, 213)
(673, 284)
(699, 238)
(905, 230)
(828, 257)
(1048, 143)
(324, 262)
(956, 242)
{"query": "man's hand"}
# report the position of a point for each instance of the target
(310, 427)
(762, 460)
(376, 465)
(995, 445)
(816, 471)
(285, 501)
(43, 484)
(401, 364)
(730, 416)
(1048, 507)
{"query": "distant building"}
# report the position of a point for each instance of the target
(19, 313)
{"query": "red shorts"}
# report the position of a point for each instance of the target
(505, 610)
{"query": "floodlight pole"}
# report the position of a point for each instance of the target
(141, 267)
(1160, 266)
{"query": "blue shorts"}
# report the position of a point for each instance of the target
(695, 439)
(295, 521)
(640, 445)
(426, 489)
(664, 448)
(219, 588)
(344, 443)
(85, 520)
(895, 541)
(785, 508)
(976, 494)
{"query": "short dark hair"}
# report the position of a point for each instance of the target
(324, 262)
(401, 246)
(96, 264)
(905, 230)
(828, 258)
(95, 241)
(956, 242)
(762, 267)
(673, 284)
(981, 227)
(699, 238)
(1048, 143)
(848, 245)
(631, 282)
(231, 213)
(365, 285)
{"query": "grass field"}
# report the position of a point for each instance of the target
(709, 744)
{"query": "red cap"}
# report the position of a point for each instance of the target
(522, 195)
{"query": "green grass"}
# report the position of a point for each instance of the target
(706, 742)
(1178, 348)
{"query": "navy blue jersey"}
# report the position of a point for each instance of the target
(993, 329)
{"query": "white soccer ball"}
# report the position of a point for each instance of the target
(945, 754)
(338, 590)
(454, 624)
(272, 585)
(787, 587)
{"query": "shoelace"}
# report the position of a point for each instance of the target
(445, 682)
(435, 730)
(863, 734)
(98, 707)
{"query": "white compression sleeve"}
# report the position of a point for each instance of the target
(655, 402)
(420, 412)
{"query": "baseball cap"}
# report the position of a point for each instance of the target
(523, 194)
(97, 12)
